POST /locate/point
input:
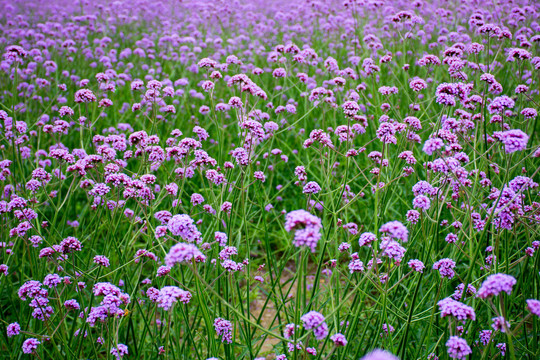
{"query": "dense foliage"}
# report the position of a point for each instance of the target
(302, 179)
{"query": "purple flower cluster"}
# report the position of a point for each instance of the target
(460, 311)
(110, 305)
(534, 306)
(169, 295)
(224, 329)
(416, 265)
(339, 339)
(379, 354)
(13, 329)
(458, 348)
(315, 321)
(306, 228)
(513, 140)
(184, 253)
(395, 230)
(120, 351)
(183, 226)
(30, 345)
(496, 284)
(445, 267)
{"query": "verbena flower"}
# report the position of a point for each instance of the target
(224, 329)
(315, 321)
(457, 348)
(306, 227)
(496, 284)
(183, 253)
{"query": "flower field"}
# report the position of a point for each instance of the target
(290, 180)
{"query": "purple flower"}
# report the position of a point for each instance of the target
(413, 216)
(52, 280)
(339, 339)
(31, 289)
(72, 304)
(534, 306)
(289, 330)
(387, 329)
(529, 113)
(221, 238)
(350, 108)
(105, 288)
(366, 239)
(235, 102)
(307, 228)
(259, 175)
(379, 354)
(70, 244)
(182, 252)
(392, 249)
(224, 329)
(163, 270)
(386, 132)
(101, 260)
(499, 104)
(458, 348)
(432, 145)
(395, 230)
(84, 96)
(417, 84)
(311, 188)
(416, 265)
(279, 72)
(471, 290)
(315, 321)
(502, 348)
(451, 238)
(13, 329)
(356, 266)
(163, 216)
(196, 199)
(500, 324)
(513, 140)
(120, 351)
(206, 63)
(183, 226)
(227, 252)
(421, 202)
(169, 295)
(460, 311)
(485, 336)
(495, 284)
(30, 345)
(445, 267)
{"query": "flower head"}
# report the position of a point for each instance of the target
(496, 284)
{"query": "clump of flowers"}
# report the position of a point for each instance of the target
(184, 253)
(496, 284)
(458, 348)
(306, 228)
(315, 321)
(183, 226)
(224, 329)
(169, 295)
